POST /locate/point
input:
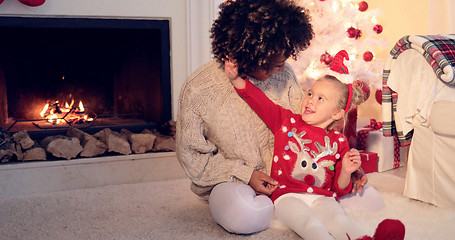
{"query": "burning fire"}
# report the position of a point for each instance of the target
(57, 113)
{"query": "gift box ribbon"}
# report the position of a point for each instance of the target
(362, 134)
(374, 125)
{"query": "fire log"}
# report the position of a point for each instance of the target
(7, 147)
(34, 153)
(163, 143)
(115, 141)
(92, 146)
(62, 146)
(140, 142)
(6, 155)
(168, 128)
(26, 148)
(22, 138)
(19, 154)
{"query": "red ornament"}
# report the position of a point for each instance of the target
(351, 32)
(378, 28)
(367, 56)
(378, 96)
(1, 1)
(33, 3)
(354, 33)
(364, 87)
(326, 58)
(363, 6)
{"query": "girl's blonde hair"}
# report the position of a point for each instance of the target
(357, 98)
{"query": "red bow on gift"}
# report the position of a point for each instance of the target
(362, 134)
(374, 125)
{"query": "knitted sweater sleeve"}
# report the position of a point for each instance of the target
(202, 161)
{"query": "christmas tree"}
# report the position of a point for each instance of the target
(339, 25)
(346, 38)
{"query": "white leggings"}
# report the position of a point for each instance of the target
(315, 217)
(237, 208)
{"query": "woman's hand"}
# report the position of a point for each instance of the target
(359, 179)
(262, 183)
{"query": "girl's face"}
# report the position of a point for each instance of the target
(320, 106)
(263, 75)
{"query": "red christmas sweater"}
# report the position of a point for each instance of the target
(306, 158)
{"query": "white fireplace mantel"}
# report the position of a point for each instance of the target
(190, 21)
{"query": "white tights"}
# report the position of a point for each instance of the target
(324, 218)
(237, 208)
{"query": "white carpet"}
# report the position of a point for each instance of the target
(169, 210)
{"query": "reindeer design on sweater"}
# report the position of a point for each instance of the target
(310, 168)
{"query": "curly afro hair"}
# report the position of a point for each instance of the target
(255, 32)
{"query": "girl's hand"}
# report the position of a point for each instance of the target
(232, 72)
(351, 161)
(231, 69)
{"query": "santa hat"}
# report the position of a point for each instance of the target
(337, 64)
(339, 69)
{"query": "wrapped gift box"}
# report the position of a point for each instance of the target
(369, 161)
(371, 139)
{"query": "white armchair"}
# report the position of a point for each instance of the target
(419, 106)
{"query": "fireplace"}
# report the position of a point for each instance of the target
(118, 68)
(188, 21)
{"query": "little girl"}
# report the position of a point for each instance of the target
(313, 163)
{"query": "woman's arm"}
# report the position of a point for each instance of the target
(204, 164)
(202, 161)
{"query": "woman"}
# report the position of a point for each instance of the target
(220, 141)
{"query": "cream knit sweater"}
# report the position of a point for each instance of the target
(219, 138)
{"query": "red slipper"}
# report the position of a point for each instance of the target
(390, 229)
(32, 3)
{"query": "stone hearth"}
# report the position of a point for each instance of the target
(52, 176)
